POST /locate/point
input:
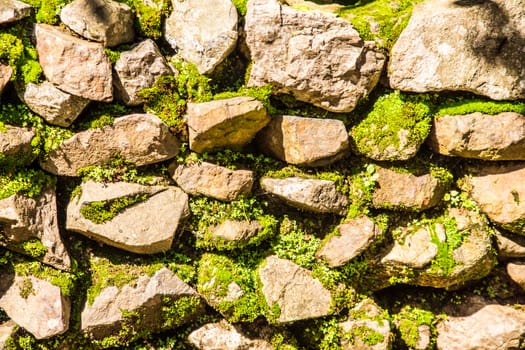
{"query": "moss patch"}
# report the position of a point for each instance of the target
(409, 319)
(149, 18)
(17, 51)
(462, 106)
(100, 212)
(29, 182)
(64, 280)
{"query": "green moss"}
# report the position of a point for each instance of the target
(47, 11)
(262, 94)
(362, 182)
(325, 333)
(444, 263)
(462, 105)
(52, 137)
(367, 335)
(98, 115)
(240, 5)
(29, 182)
(119, 169)
(149, 18)
(100, 212)
(18, 114)
(34, 248)
(175, 312)
(17, 51)
(64, 280)
(409, 319)
(26, 288)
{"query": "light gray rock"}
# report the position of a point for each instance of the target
(480, 136)
(203, 32)
(105, 21)
(318, 196)
(138, 69)
(224, 123)
(516, 271)
(76, 66)
(474, 46)
(211, 180)
(510, 246)
(5, 75)
(292, 288)
(235, 231)
(304, 141)
(15, 144)
(146, 227)
(13, 10)
(139, 138)
(54, 105)
(7, 330)
(316, 57)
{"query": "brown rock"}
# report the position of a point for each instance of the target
(510, 246)
(15, 144)
(235, 231)
(516, 271)
(13, 10)
(5, 75)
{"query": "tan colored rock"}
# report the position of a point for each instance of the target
(236, 231)
(510, 246)
(5, 75)
(7, 330)
(13, 10)
(516, 271)
(15, 143)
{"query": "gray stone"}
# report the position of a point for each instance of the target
(7, 330)
(15, 143)
(13, 10)
(474, 46)
(316, 57)
(105, 21)
(318, 196)
(304, 141)
(516, 271)
(235, 231)
(146, 227)
(224, 123)
(510, 246)
(5, 75)
(203, 32)
(139, 138)
(77, 66)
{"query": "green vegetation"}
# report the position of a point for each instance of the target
(28, 182)
(100, 212)
(444, 263)
(240, 5)
(150, 16)
(26, 288)
(119, 169)
(408, 321)
(17, 51)
(32, 247)
(64, 280)
(47, 11)
(462, 105)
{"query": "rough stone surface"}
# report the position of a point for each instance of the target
(304, 141)
(54, 105)
(77, 66)
(354, 237)
(139, 138)
(316, 57)
(203, 32)
(231, 230)
(105, 21)
(319, 196)
(16, 142)
(146, 227)
(510, 246)
(224, 123)
(298, 295)
(5, 75)
(516, 271)
(13, 10)
(474, 46)
(211, 180)
(7, 329)
(138, 69)
(24, 219)
(480, 136)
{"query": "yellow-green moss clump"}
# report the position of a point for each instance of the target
(408, 321)
(100, 212)
(29, 182)
(463, 105)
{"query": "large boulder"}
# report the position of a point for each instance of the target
(139, 138)
(15, 145)
(77, 66)
(316, 57)
(471, 46)
(13, 10)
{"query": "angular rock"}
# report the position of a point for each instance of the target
(316, 57)
(354, 237)
(77, 66)
(510, 246)
(224, 123)
(54, 105)
(7, 330)
(480, 136)
(15, 144)
(139, 138)
(5, 75)
(147, 226)
(105, 21)
(471, 46)
(203, 32)
(211, 180)
(235, 231)
(516, 272)
(292, 288)
(304, 141)
(138, 69)
(318, 196)
(13, 10)
(30, 227)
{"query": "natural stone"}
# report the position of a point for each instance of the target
(203, 32)
(224, 123)
(105, 21)
(211, 180)
(480, 136)
(510, 246)
(318, 196)
(15, 143)
(292, 288)
(139, 138)
(516, 271)
(7, 330)
(146, 227)
(5, 75)
(77, 66)
(304, 141)
(471, 46)
(352, 238)
(316, 57)
(138, 69)
(13, 10)
(235, 231)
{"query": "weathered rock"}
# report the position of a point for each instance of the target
(139, 138)
(137, 69)
(15, 144)
(462, 45)
(203, 33)
(292, 288)
(316, 57)
(13, 10)
(34, 304)
(235, 231)
(399, 190)
(492, 327)
(510, 246)
(147, 226)
(77, 66)
(30, 227)
(222, 335)
(5, 75)
(105, 21)
(148, 297)
(516, 271)
(224, 123)
(54, 105)
(480, 136)
(318, 196)
(354, 237)
(7, 330)
(304, 141)
(211, 180)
